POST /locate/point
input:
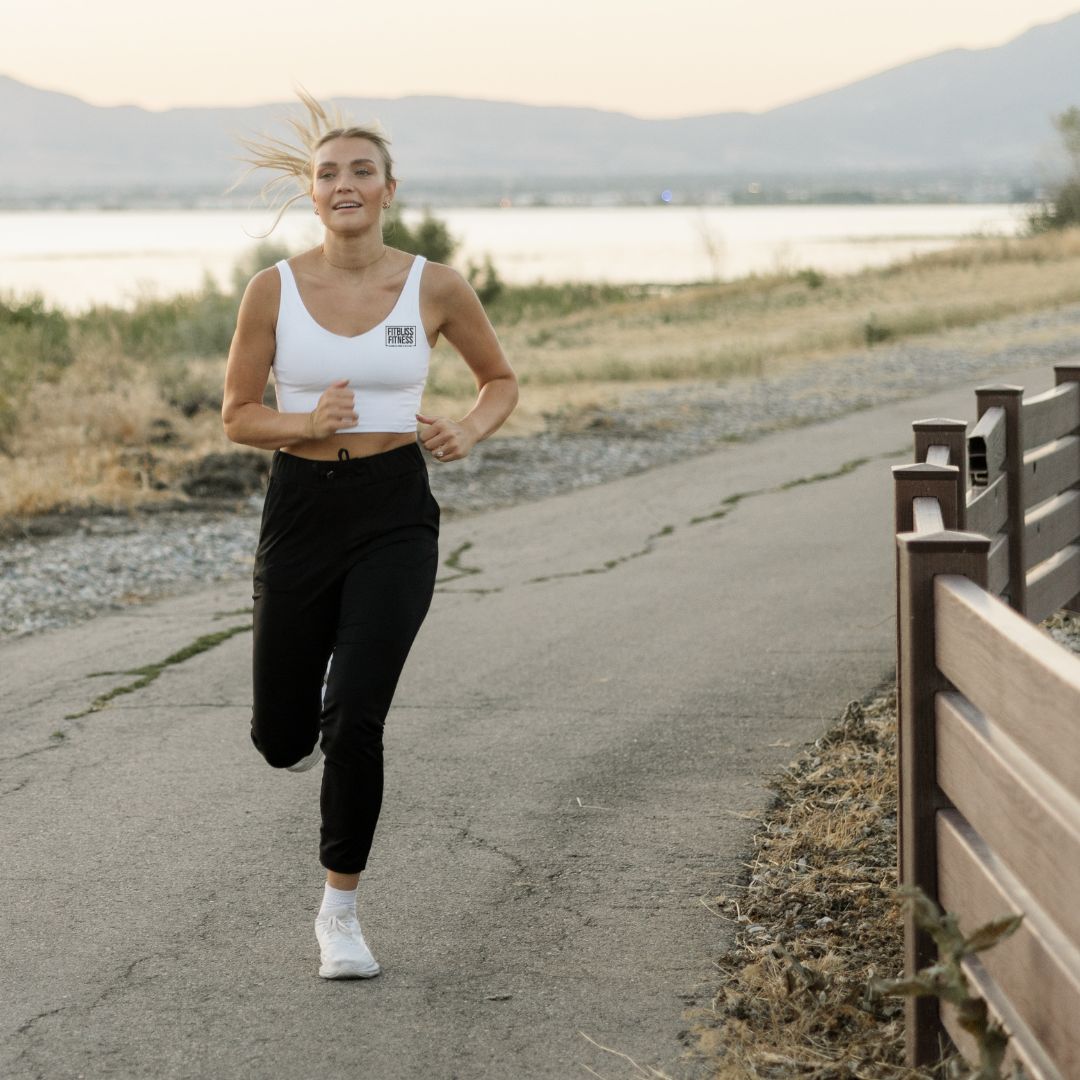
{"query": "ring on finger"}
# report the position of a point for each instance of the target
(438, 453)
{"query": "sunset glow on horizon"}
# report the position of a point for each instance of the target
(684, 57)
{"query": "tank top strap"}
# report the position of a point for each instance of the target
(410, 294)
(290, 291)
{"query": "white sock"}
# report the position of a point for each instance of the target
(338, 901)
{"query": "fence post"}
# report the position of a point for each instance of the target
(1064, 373)
(941, 482)
(953, 434)
(911, 482)
(920, 558)
(1011, 399)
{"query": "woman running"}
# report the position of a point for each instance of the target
(347, 554)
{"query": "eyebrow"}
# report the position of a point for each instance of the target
(355, 161)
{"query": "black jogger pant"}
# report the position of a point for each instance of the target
(346, 564)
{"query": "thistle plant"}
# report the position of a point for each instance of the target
(946, 980)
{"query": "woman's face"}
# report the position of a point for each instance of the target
(349, 183)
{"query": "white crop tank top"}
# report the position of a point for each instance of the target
(386, 367)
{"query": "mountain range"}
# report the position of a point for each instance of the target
(975, 113)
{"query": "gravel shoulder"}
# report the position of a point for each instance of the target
(105, 562)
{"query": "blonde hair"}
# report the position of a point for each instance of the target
(293, 163)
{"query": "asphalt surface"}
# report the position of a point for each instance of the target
(579, 742)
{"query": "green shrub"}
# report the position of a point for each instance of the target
(516, 302)
(1059, 212)
(265, 253)
(1062, 209)
(485, 280)
(46, 328)
(874, 331)
(430, 238)
(35, 345)
(812, 278)
(199, 324)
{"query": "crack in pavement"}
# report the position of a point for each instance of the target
(464, 832)
(194, 705)
(122, 979)
(731, 501)
(18, 787)
(24, 1029)
(453, 562)
(116, 984)
(459, 570)
(249, 610)
(148, 673)
(37, 749)
(610, 564)
(726, 506)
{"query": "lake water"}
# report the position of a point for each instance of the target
(76, 258)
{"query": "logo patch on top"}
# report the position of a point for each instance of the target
(401, 336)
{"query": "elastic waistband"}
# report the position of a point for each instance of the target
(398, 462)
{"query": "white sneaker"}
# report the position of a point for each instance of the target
(308, 762)
(345, 954)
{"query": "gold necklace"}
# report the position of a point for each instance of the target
(362, 266)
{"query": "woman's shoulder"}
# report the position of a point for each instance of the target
(442, 282)
(263, 291)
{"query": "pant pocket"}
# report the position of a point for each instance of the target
(290, 537)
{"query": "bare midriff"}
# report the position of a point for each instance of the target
(357, 443)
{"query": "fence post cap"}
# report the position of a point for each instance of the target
(1067, 372)
(950, 540)
(921, 470)
(1004, 389)
(939, 423)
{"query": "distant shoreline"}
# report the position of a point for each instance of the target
(557, 200)
(79, 258)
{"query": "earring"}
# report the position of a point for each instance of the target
(386, 206)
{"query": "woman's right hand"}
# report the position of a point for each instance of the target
(335, 410)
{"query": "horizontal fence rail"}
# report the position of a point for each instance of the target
(989, 711)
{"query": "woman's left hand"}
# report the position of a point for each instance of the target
(446, 439)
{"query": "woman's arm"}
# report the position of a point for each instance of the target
(246, 419)
(465, 324)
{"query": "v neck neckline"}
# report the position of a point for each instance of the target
(352, 337)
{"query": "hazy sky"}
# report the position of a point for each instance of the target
(656, 58)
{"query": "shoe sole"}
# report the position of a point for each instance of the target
(305, 766)
(347, 972)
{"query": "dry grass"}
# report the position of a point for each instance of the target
(120, 428)
(816, 921)
(103, 435)
(760, 325)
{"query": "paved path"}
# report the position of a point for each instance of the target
(583, 728)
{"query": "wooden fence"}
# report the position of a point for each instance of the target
(988, 543)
